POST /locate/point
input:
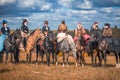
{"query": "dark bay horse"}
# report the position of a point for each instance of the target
(31, 41)
(106, 46)
(12, 44)
(46, 46)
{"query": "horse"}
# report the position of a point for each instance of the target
(80, 46)
(46, 46)
(30, 43)
(11, 45)
(65, 45)
(106, 46)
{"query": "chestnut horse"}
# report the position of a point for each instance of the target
(31, 40)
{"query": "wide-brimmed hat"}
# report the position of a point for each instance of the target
(95, 22)
(46, 22)
(107, 24)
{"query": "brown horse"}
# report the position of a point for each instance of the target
(31, 40)
(80, 46)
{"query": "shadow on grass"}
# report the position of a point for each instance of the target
(5, 70)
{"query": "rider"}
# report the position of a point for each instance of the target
(63, 33)
(24, 31)
(5, 29)
(107, 32)
(80, 31)
(45, 28)
(95, 32)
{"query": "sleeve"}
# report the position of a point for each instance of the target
(104, 34)
(110, 32)
(2, 30)
(8, 30)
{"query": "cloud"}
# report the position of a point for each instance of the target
(65, 3)
(86, 4)
(3, 2)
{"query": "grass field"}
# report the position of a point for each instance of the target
(23, 71)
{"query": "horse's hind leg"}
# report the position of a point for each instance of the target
(116, 56)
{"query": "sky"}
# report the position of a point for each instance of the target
(72, 11)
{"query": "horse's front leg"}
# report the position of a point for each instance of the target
(77, 58)
(53, 55)
(104, 53)
(30, 56)
(100, 58)
(56, 57)
(6, 57)
(48, 58)
(63, 58)
(27, 57)
(66, 58)
(1, 56)
(37, 56)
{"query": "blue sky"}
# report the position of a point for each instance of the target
(72, 11)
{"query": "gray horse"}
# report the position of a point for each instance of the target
(65, 46)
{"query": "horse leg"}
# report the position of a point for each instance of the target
(30, 56)
(100, 58)
(66, 57)
(47, 57)
(6, 57)
(83, 59)
(27, 56)
(37, 56)
(92, 58)
(116, 56)
(63, 59)
(53, 56)
(104, 53)
(42, 55)
(77, 59)
(1, 56)
(56, 57)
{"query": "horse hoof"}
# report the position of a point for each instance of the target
(63, 65)
(76, 65)
(36, 63)
(82, 65)
(56, 63)
(117, 65)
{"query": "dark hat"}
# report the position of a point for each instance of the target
(95, 22)
(4, 21)
(46, 22)
(25, 20)
(107, 24)
(63, 22)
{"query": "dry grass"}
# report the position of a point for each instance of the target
(23, 71)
